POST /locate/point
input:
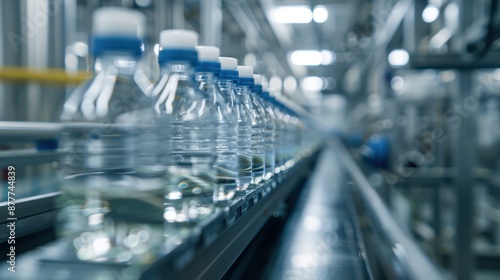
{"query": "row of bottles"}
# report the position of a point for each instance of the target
(146, 161)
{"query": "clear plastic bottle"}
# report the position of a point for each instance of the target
(187, 132)
(112, 188)
(244, 89)
(269, 105)
(226, 141)
(290, 137)
(270, 157)
(282, 134)
(295, 137)
(226, 81)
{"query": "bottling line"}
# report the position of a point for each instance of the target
(257, 139)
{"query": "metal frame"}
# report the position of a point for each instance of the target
(33, 214)
(28, 131)
(27, 157)
(403, 249)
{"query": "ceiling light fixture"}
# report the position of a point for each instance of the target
(306, 57)
(329, 57)
(293, 14)
(398, 58)
(430, 13)
(312, 83)
(313, 57)
(320, 14)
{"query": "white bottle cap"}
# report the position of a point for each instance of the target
(265, 84)
(118, 21)
(257, 79)
(208, 53)
(178, 39)
(228, 63)
(264, 79)
(245, 71)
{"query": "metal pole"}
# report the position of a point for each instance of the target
(13, 49)
(464, 158)
(211, 22)
(168, 14)
(464, 161)
(178, 14)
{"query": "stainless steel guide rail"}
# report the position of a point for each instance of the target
(33, 214)
(402, 248)
(17, 131)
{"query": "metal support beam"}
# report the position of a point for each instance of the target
(168, 14)
(465, 145)
(464, 160)
(406, 252)
(211, 22)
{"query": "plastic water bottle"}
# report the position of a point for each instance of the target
(282, 141)
(226, 145)
(187, 132)
(269, 129)
(290, 136)
(244, 89)
(269, 105)
(227, 79)
(112, 188)
(294, 138)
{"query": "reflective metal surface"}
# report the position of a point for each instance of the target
(398, 247)
(318, 241)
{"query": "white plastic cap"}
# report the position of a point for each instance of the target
(178, 39)
(118, 21)
(264, 81)
(208, 53)
(245, 71)
(265, 84)
(257, 79)
(228, 63)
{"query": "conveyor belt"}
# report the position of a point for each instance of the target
(318, 240)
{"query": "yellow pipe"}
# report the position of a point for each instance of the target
(50, 76)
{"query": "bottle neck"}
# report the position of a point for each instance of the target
(243, 93)
(225, 84)
(124, 65)
(206, 83)
(226, 88)
(255, 94)
(205, 77)
(184, 70)
(243, 90)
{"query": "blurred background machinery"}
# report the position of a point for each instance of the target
(410, 88)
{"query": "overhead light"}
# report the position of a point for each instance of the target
(430, 13)
(293, 14)
(398, 58)
(313, 57)
(306, 57)
(328, 57)
(320, 14)
(312, 83)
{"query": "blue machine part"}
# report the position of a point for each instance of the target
(376, 151)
